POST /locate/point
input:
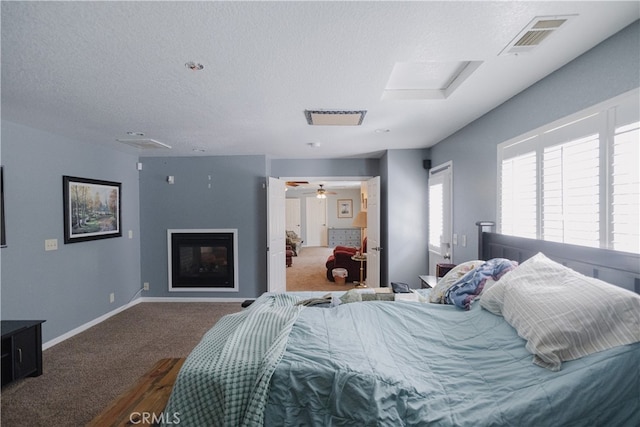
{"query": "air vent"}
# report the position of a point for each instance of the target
(538, 30)
(334, 117)
(143, 143)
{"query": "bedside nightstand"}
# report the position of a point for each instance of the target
(428, 281)
(442, 269)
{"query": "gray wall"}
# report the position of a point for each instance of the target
(236, 199)
(71, 286)
(609, 69)
(406, 206)
(324, 167)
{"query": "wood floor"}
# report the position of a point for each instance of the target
(144, 402)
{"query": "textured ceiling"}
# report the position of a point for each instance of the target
(93, 71)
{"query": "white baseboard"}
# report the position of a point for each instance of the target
(120, 309)
(87, 325)
(193, 299)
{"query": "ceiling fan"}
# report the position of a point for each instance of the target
(321, 192)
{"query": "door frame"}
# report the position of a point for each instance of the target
(281, 266)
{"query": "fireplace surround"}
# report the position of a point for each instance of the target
(203, 260)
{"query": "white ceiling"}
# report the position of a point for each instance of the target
(93, 71)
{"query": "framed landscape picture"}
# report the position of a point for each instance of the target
(91, 209)
(345, 208)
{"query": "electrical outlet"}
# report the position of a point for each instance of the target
(145, 286)
(112, 297)
(51, 245)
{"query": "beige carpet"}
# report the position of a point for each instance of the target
(83, 374)
(308, 272)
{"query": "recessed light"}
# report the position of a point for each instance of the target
(194, 66)
(382, 130)
(199, 150)
(135, 133)
(313, 144)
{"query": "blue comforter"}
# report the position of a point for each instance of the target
(402, 363)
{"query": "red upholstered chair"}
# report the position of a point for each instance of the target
(341, 258)
(289, 254)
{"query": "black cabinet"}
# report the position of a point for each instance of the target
(21, 349)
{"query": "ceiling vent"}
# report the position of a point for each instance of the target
(143, 143)
(334, 117)
(538, 30)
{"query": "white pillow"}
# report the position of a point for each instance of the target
(437, 293)
(562, 314)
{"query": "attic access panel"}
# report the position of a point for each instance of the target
(427, 80)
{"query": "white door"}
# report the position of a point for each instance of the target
(292, 215)
(373, 232)
(316, 222)
(440, 215)
(276, 236)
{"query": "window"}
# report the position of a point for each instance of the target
(570, 192)
(440, 210)
(576, 181)
(436, 215)
(625, 232)
(519, 196)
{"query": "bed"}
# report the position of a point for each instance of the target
(379, 363)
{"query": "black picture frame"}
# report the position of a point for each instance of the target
(92, 209)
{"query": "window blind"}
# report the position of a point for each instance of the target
(576, 180)
(436, 215)
(570, 192)
(625, 189)
(518, 195)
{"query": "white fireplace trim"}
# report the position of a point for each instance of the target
(234, 231)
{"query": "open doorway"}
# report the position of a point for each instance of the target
(316, 218)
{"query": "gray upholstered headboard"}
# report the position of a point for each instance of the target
(618, 268)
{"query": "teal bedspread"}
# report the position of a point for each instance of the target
(392, 364)
(224, 381)
(400, 363)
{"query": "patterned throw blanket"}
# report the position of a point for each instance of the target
(225, 380)
(463, 292)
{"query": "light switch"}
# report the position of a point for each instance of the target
(51, 245)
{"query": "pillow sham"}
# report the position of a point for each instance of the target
(436, 295)
(467, 289)
(562, 314)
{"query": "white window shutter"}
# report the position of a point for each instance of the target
(570, 192)
(625, 186)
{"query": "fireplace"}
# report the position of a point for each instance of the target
(203, 260)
